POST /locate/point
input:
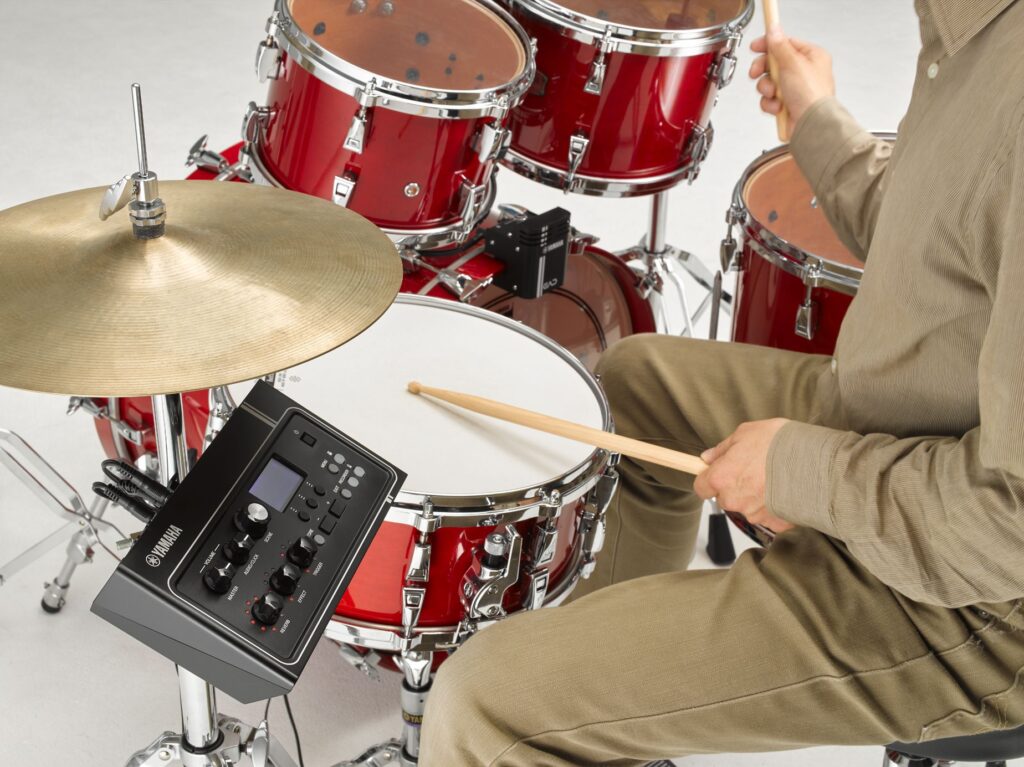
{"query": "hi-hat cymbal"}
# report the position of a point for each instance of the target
(248, 280)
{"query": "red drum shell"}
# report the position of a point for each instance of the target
(302, 147)
(641, 126)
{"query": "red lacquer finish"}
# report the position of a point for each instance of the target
(766, 306)
(375, 593)
(137, 412)
(411, 172)
(640, 125)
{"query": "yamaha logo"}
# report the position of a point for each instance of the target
(156, 556)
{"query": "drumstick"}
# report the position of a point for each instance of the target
(616, 443)
(771, 18)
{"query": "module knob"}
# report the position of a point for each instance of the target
(267, 608)
(254, 520)
(302, 552)
(218, 579)
(237, 549)
(285, 579)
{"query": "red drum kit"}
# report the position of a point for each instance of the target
(403, 112)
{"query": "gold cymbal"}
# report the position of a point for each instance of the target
(248, 280)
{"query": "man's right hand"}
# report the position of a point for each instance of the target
(805, 74)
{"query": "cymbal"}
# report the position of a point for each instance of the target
(248, 280)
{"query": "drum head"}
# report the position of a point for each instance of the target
(361, 389)
(660, 14)
(780, 199)
(437, 44)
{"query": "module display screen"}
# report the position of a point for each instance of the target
(276, 485)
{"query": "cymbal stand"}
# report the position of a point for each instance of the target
(58, 495)
(206, 739)
(662, 267)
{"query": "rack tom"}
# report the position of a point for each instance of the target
(622, 101)
(396, 110)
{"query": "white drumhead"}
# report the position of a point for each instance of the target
(360, 388)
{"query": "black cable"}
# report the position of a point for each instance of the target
(295, 730)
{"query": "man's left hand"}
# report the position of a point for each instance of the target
(738, 473)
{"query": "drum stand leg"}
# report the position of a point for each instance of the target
(660, 265)
(207, 740)
(403, 752)
(57, 494)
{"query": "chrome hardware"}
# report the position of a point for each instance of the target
(102, 413)
(462, 286)
(698, 149)
(360, 661)
(508, 212)
(387, 8)
(252, 122)
(727, 254)
(117, 196)
(536, 588)
(206, 159)
(472, 198)
(268, 54)
(412, 189)
(494, 571)
(419, 563)
(412, 605)
(724, 68)
(222, 406)
(343, 188)
(356, 137)
(578, 146)
(806, 321)
(544, 544)
(357, 6)
(593, 522)
(258, 745)
(492, 141)
(599, 67)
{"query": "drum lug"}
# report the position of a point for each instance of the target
(578, 146)
(544, 544)
(728, 253)
(473, 198)
(343, 188)
(355, 140)
(268, 54)
(536, 588)
(724, 68)
(419, 563)
(698, 149)
(806, 314)
(494, 571)
(412, 606)
(252, 123)
(103, 414)
(599, 67)
(492, 142)
(593, 524)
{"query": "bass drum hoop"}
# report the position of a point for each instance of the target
(809, 268)
(635, 40)
(438, 238)
(403, 97)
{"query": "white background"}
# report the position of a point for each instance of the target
(75, 690)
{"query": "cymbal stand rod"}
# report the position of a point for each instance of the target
(200, 727)
(140, 129)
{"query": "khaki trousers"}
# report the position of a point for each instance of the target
(794, 646)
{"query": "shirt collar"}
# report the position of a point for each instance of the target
(958, 21)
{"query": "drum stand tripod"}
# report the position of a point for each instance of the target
(660, 265)
(57, 494)
(206, 740)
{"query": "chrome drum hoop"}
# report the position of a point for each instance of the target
(438, 238)
(636, 40)
(522, 503)
(813, 271)
(593, 186)
(399, 96)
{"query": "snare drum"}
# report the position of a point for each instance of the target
(796, 278)
(395, 110)
(469, 476)
(622, 101)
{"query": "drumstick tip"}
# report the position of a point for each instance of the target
(415, 387)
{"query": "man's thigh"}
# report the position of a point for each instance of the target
(796, 647)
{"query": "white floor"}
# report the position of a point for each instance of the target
(72, 689)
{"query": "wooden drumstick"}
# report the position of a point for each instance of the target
(771, 18)
(616, 443)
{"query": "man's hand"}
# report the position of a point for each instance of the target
(805, 74)
(737, 473)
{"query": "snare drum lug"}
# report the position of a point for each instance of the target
(494, 571)
(412, 605)
(268, 54)
(343, 188)
(419, 564)
(544, 544)
(536, 589)
(578, 146)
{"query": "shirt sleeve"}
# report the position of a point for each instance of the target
(939, 519)
(845, 166)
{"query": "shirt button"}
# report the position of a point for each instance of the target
(933, 70)
(835, 365)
